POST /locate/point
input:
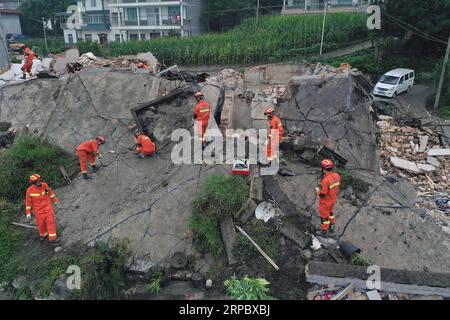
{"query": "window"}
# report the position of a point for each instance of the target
(93, 3)
(153, 16)
(83, 3)
(401, 80)
(95, 18)
(134, 36)
(70, 38)
(411, 75)
(88, 37)
(132, 14)
(142, 36)
(406, 76)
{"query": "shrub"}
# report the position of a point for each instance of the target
(248, 288)
(360, 260)
(154, 286)
(220, 195)
(103, 272)
(30, 155)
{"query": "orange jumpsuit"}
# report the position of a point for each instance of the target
(87, 151)
(29, 56)
(275, 137)
(145, 145)
(39, 199)
(202, 113)
(327, 198)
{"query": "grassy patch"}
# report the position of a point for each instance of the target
(55, 45)
(263, 234)
(27, 156)
(220, 195)
(11, 240)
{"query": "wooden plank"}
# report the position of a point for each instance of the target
(259, 249)
(228, 236)
(65, 175)
(24, 225)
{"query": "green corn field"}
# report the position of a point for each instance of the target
(272, 39)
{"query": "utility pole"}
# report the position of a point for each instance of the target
(45, 34)
(323, 27)
(257, 11)
(441, 81)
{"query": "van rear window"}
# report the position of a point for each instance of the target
(411, 75)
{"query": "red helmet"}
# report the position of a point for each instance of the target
(34, 178)
(268, 111)
(100, 140)
(199, 95)
(327, 164)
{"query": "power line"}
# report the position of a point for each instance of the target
(415, 28)
(421, 33)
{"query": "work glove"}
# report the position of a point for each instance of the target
(55, 200)
(266, 142)
(29, 217)
(100, 156)
(317, 189)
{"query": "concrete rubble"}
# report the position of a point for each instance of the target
(416, 154)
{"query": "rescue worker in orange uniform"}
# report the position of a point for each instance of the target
(202, 113)
(39, 198)
(328, 194)
(275, 134)
(28, 56)
(145, 147)
(88, 151)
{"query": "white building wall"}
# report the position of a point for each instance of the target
(10, 23)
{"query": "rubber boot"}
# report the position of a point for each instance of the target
(86, 176)
(331, 228)
(56, 241)
(95, 168)
(322, 233)
(24, 77)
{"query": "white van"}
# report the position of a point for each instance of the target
(395, 82)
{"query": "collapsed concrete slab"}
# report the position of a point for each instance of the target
(144, 201)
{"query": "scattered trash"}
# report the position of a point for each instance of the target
(316, 245)
(265, 211)
(241, 167)
(373, 295)
(444, 205)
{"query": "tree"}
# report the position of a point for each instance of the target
(423, 16)
(34, 10)
(222, 15)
